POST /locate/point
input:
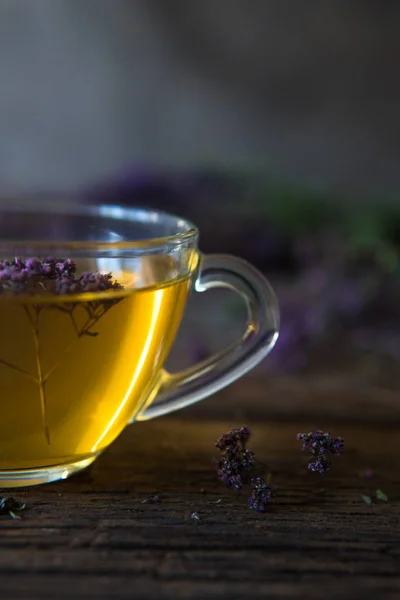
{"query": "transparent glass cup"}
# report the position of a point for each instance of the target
(82, 354)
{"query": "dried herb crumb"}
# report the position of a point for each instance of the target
(151, 500)
(10, 506)
(366, 499)
(380, 495)
(13, 515)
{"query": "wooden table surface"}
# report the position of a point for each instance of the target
(93, 536)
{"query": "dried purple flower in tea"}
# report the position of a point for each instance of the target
(56, 276)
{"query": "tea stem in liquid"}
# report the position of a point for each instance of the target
(41, 379)
(52, 276)
(41, 382)
(16, 368)
(92, 320)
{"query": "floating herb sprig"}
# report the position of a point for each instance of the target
(54, 277)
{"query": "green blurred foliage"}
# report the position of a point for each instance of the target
(367, 225)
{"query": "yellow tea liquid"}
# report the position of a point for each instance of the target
(75, 369)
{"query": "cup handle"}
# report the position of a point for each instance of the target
(186, 387)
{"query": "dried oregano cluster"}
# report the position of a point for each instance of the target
(236, 464)
(322, 446)
(58, 276)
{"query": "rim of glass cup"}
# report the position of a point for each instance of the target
(186, 233)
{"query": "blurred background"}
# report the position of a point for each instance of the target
(273, 124)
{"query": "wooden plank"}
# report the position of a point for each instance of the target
(93, 537)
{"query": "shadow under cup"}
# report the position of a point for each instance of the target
(89, 311)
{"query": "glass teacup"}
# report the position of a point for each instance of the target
(91, 300)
